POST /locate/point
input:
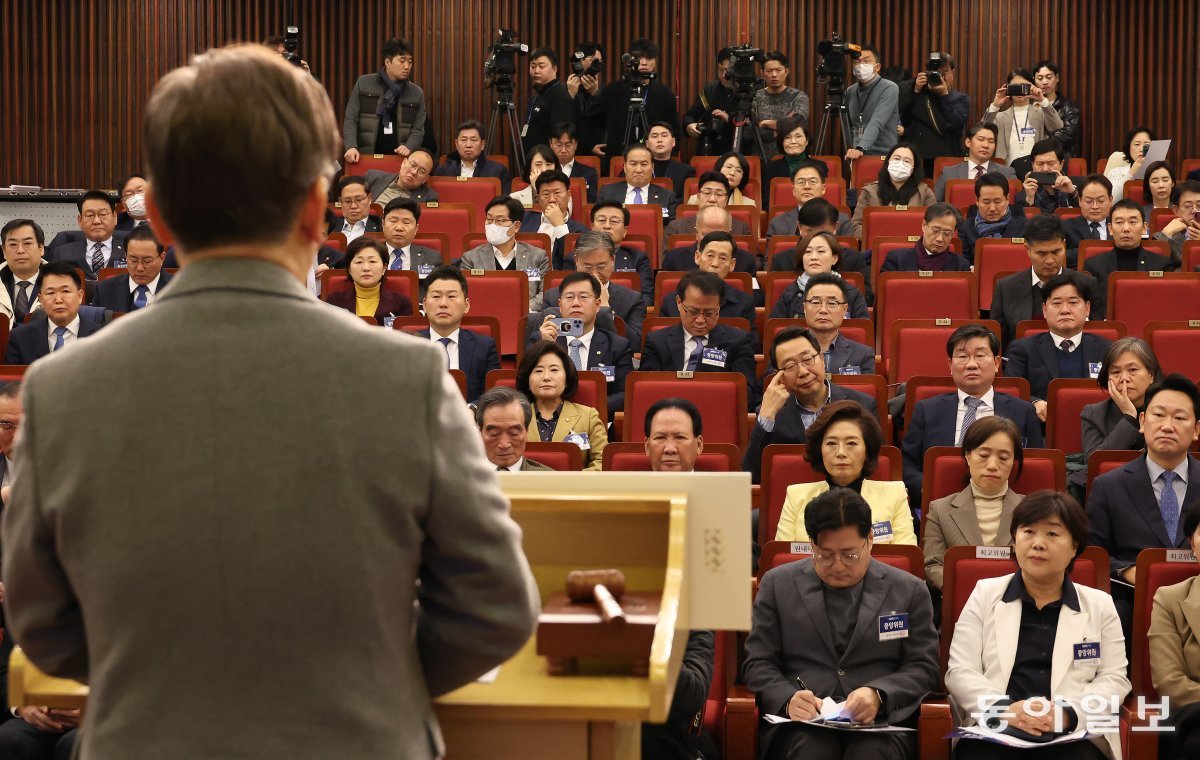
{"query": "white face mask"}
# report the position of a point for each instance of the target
(899, 171)
(136, 205)
(496, 234)
(864, 71)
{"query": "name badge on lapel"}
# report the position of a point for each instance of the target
(848, 371)
(609, 372)
(1094, 370)
(714, 357)
(893, 627)
(1088, 650)
(535, 275)
(579, 439)
(882, 532)
(423, 270)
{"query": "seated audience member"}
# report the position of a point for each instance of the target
(819, 215)
(673, 435)
(1020, 296)
(401, 220)
(469, 158)
(540, 159)
(637, 188)
(1157, 184)
(981, 146)
(992, 216)
(554, 220)
(813, 636)
(132, 191)
(410, 183)
(1124, 163)
(364, 267)
(102, 246)
(139, 286)
(808, 183)
(501, 223)
(822, 254)
(1029, 121)
(661, 142)
(712, 190)
(446, 303)
(60, 290)
(1185, 226)
(901, 182)
(709, 219)
(595, 254)
(715, 254)
(1128, 370)
(1048, 157)
(1174, 655)
(548, 378)
(682, 735)
(795, 396)
(1066, 350)
(981, 513)
(699, 343)
(503, 416)
(1095, 203)
(932, 252)
(564, 141)
(355, 203)
(612, 218)
(736, 170)
(1008, 641)
(973, 353)
(1127, 254)
(599, 348)
(24, 249)
(825, 300)
(792, 136)
(843, 445)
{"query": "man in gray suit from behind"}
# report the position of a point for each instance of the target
(318, 570)
(844, 626)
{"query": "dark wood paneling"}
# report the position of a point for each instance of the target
(75, 75)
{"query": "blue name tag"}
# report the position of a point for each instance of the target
(609, 372)
(579, 439)
(1026, 131)
(423, 270)
(882, 531)
(715, 357)
(388, 320)
(1093, 369)
(535, 275)
(848, 371)
(893, 627)
(1088, 650)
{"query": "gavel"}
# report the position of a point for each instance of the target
(604, 587)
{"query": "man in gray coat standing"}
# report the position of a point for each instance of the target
(319, 569)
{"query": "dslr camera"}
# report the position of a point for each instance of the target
(291, 43)
(501, 63)
(831, 70)
(933, 69)
(593, 69)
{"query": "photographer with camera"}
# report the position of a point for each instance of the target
(583, 83)
(709, 116)
(776, 101)
(1022, 116)
(933, 113)
(550, 103)
(873, 105)
(386, 111)
(286, 45)
(612, 103)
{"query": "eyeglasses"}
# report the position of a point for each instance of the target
(808, 362)
(828, 303)
(496, 220)
(580, 297)
(134, 262)
(706, 313)
(92, 215)
(825, 559)
(713, 193)
(420, 171)
(807, 182)
(1097, 202)
(940, 232)
(354, 201)
(979, 356)
(589, 268)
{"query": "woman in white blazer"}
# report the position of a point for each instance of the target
(1034, 636)
(843, 445)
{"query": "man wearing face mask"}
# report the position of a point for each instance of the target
(502, 221)
(133, 197)
(874, 105)
(713, 106)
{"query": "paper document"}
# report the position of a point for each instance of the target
(833, 715)
(975, 732)
(1158, 152)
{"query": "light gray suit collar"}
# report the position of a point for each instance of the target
(249, 275)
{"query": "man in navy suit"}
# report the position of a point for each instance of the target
(596, 349)
(102, 246)
(139, 286)
(554, 220)
(708, 219)
(1065, 351)
(595, 254)
(446, 304)
(716, 254)
(699, 343)
(355, 202)
(564, 141)
(795, 395)
(469, 158)
(932, 252)
(60, 290)
(974, 358)
(636, 189)
(1047, 157)
(992, 216)
(1095, 203)
(612, 217)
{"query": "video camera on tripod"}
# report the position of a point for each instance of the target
(744, 61)
(831, 71)
(631, 73)
(501, 64)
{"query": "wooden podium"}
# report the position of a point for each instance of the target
(684, 535)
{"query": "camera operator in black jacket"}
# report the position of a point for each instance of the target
(550, 103)
(612, 101)
(709, 116)
(933, 113)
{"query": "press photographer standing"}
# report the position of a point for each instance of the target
(612, 102)
(386, 111)
(583, 83)
(709, 115)
(550, 103)
(933, 113)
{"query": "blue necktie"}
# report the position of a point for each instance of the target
(973, 405)
(139, 297)
(97, 258)
(637, 195)
(1168, 505)
(446, 345)
(693, 362)
(398, 262)
(59, 337)
(576, 359)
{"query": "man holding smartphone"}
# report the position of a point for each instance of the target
(1046, 187)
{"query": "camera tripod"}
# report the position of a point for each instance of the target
(504, 103)
(635, 119)
(835, 108)
(743, 116)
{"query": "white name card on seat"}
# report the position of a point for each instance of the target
(993, 552)
(801, 547)
(1180, 555)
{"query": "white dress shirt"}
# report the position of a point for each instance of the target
(689, 345)
(106, 246)
(69, 337)
(1102, 227)
(987, 410)
(450, 349)
(354, 230)
(629, 194)
(152, 287)
(467, 171)
(1037, 282)
(407, 251)
(586, 349)
(1075, 339)
(515, 467)
(566, 168)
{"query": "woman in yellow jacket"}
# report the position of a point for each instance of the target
(548, 379)
(843, 445)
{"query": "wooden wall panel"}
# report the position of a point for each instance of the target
(75, 75)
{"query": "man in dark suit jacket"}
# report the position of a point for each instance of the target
(974, 359)
(808, 185)
(1127, 254)
(709, 219)
(411, 182)
(503, 416)
(816, 632)
(140, 284)
(1019, 296)
(102, 246)
(1048, 157)
(612, 217)
(1095, 203)
(637, 188)
(60, 290)
(354, 201)
(550, 103)
(661, 142)
(23, 244)
(564, 141)
(554, 220)
(992, 216)
(446, 303)
(795, 396)
(715, 255)
(469, 158)
(932, 252)
(401, 219)
(699, 343)
(595, 254)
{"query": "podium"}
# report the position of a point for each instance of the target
(686, 535)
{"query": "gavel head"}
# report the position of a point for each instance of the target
(581, 583)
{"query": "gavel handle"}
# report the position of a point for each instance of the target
(610, 609)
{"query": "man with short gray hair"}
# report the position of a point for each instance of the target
(708, 219)
(596, 254)
(502, 416)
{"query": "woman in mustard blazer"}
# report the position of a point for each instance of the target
(548, 379)
(843, 445)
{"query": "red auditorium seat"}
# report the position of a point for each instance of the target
(747, 215)
(384, 162)
(452, 220)
(885, 244)
(1191, 255)
(438, 241)
(913, 295)
(995, 257)
(1176, 344)
(891, 221)
(503, 295)
(336, 240)
(11, 371)
(864, 170)
(557, 455)
(720, 396)
(398, 281)
(918, 346)
(946, 472)
(1105, 460)
(624, 456)
(592, 391)
(960, 193)
(1138, 298)
(475, 192)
